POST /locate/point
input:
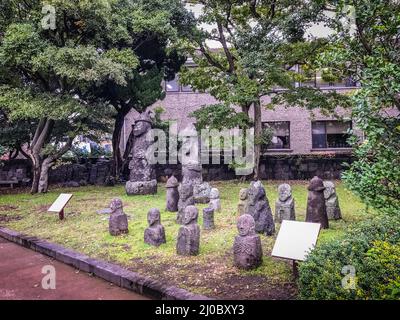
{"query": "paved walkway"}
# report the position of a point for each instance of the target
(21, 279)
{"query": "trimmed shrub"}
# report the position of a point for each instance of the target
(372, 248)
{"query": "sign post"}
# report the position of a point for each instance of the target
(295, 240)
(59, 205)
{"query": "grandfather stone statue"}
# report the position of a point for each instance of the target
(331, 201)
(155, 233)
(189, 234)
(172, 194)
(215, 201)
(284, 207)
(118, 223)
(208, 218)
(247, 248)
(316, 208)
(201, 192)
(185, 199)
(258, 207)
(142, 179)
(243, 198)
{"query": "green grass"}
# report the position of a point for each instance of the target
(210, 273)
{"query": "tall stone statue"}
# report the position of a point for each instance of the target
(188, 242)
(192, 170)
(155, 234)
(258, 207)
(172, 194)
(185, 199)
(331, 201)
(243, 198)
(247, 248)
(316, 208)
(215, 201)
(142, 179)
(284, 206)
(118, 223)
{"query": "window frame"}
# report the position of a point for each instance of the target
(266, 148)
(326, 134)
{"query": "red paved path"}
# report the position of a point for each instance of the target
(21, 277)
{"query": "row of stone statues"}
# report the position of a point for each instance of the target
(322, 205)
(247, 245)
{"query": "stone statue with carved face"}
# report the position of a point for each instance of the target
(247, 248)
(258, 207)
(118, 223)
(185, 199)
(142, 179)
(316, 207)
(284, 206)
(188, 242)
(243, 198)
(331, 201)
(155, 234)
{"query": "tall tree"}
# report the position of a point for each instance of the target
(366, 45)
(53, 71)
(258, 44)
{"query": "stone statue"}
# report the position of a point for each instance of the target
(189, 234)
(201, 192)
(316, 208)
(118, 223)
(185, 199)
(215, 201)
(247, 248)
(243, 198)
(208, 218)
(172, 194)
(155, 234)
(258, 207)
(284, 206)
(331, 201)
(142, 179)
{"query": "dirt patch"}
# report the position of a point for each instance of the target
(8, 208)
(7, 218)
(217, 280)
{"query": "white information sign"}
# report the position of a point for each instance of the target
(296, 239)
(60, 203)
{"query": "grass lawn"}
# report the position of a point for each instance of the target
(211, 273)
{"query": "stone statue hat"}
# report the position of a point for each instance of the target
(316, 184)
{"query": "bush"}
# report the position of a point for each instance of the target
(372, 247)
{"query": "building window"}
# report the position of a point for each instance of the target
(173, 85)
(330, 134)
(281, 134)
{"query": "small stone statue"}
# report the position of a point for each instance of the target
(316, 208)
(189, 234)
(155, 234)
(118, 223)
(172, 194)
(243, 196)
(258, 207)
(247, 248)
(284, 207)
(185, 199)
(215, 201)
(331, 201)
(201, 192)
(142, 179)
(208, 218)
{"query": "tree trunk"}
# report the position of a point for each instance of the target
(36, 168)
(116, 141)
(44, 176)
(257, 137)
